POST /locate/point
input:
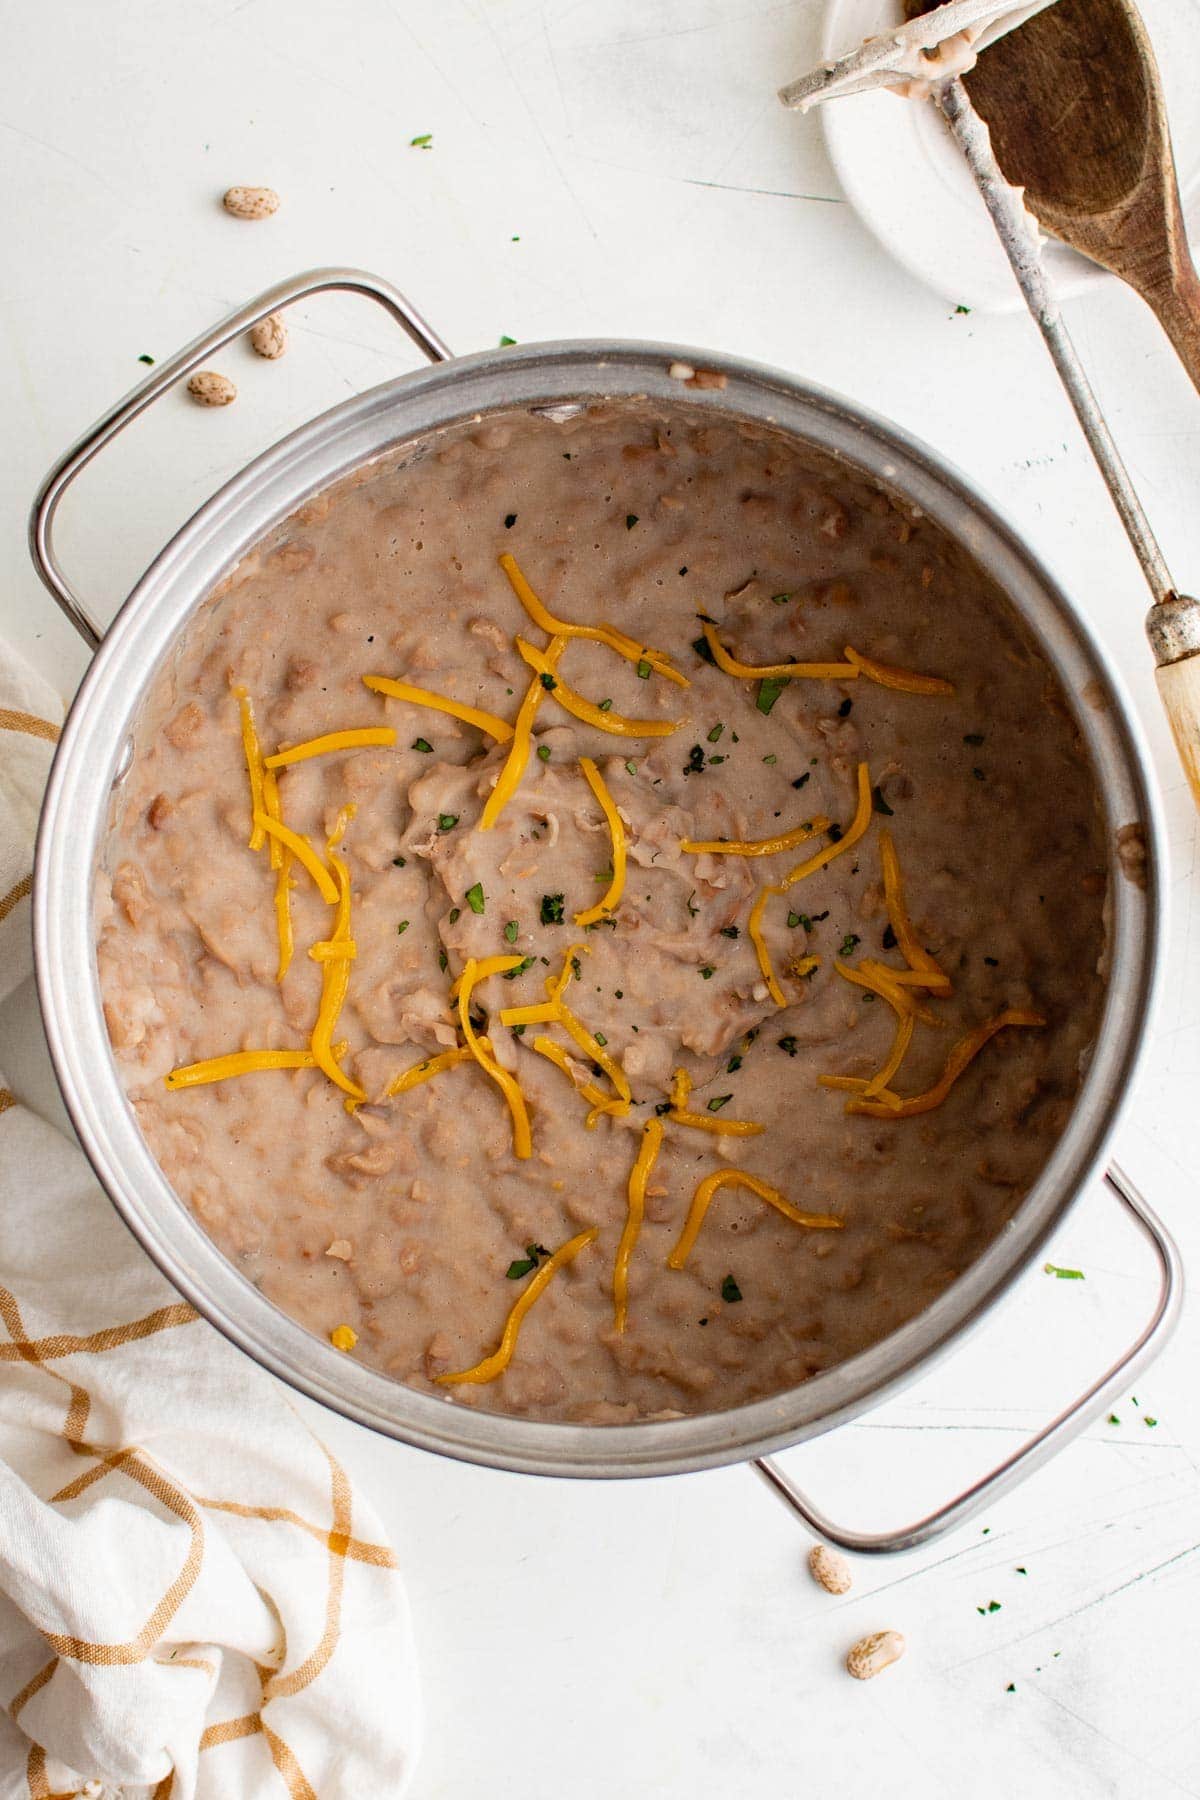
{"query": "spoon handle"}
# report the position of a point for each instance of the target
(1175, 298)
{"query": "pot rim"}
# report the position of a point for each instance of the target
(88, 757)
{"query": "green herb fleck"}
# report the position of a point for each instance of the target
(605, 706)
(401, 928)
(631, 520)
(1064, 1274)
(801, 779)
(443, 962)
(704, 650)
(850, 944)
(1011, 1688)
(769, 690)
(543, 753)
(715, 733)
(718, 1101)
(780, 599)
(1113, 1419)
(474, 897)
(631, 768)
(447, 821)
(547, 681)
(1021, 1569)
(149, 360)
(398, 862)
(771, 759)
(733, 1065)
(526, 962)
(695, 762)
(552, 909)
(510, 520)
(707, 972)
(424, 142)
(423, 745)
(790, 1044)
(1147, 1420)
(644, 670)
(506, 341)
(600, 1038)
(962, 309)
(510, 931)
(533, 1255)
(794, 919)
(835, 834)
(730, 1291)
(455, 915)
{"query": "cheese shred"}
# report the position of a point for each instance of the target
(888, 1105)
(335, 981)
(433, 1065)
(919, 960)
(703, 1197)
(254, 765)
(598, 1101)
(509, 779)
(554, 1011)
(616, 640)
(813, 671)
(239, 1062)
(304, 854)
(772, 846)
(905, 681)
(848, 839)
(521, 1135)
(495, 727)
(616, 828)
(361, 738)
(616, 724)
(639, 1175)
(498, 1361)
(681, 1088)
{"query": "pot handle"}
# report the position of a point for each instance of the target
(285, 293)
(1045, 1443)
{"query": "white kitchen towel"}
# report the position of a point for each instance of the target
(193, 1600)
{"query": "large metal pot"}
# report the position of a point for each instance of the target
(95, 750)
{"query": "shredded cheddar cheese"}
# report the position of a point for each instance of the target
(877, 978)
(339, 950)
(681, 1087)
(361, 738)
(485, 966)
(254, 765)
(304, 854)
(283, 914)
(772, 846)
(754, 926)
(887, 1105)
(521, 1134)
(554, 1011)
(639, 1175)
(814, 671)
(238, 1062)
(920, 962)
(335, 980)
(498, 1361)
(522, 741)
(616, 640)
(616, 827)
(905, 681)
(703, 1197)
(495, 727)
(271, 806)
(433, 1065)
(616, 724)
(598, 1101)
(848, 839)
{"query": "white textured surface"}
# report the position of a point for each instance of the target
(661, 1638)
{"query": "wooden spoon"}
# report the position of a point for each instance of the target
(1078, 120)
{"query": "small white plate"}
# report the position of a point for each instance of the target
(906, 179)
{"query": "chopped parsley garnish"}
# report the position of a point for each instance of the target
(423, 745)
(455, 915)
(1113, 1419)
(729, 931)
(715, 733)
(844, 708)
(771, 759)
(701, 646)
(889, 938)
(733, 1065)
(605, 706)
(718, 1101)
(834, 834)
(631, 520)
(401, 928)
(510, 520)
(552, 909)
(644, 670)
(972, 737)
(543, 753)
(398, 862)
(548, 682)
(795, 919)
(1064, 1274)
(695, 762)
(1147, 1420)
(631, 768)
(850, 944)
(769, 690)
(879, 803)
(600, 1038)
(424, 142)
(474, 897)
(526, 962)
(1021, 1569)
(730, 1291)
(962, 309)
(707, 972)
(506, 341)
(780, 599)
(146, 359)
(713, 761)
(790, 1044)
(533, 1255)
(867, 999)
(443, 961)
(1012, 1686)
(447, 821)
(801, 779)
(510, 931)
(663, 1107)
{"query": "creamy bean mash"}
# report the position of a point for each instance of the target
(608, 1028)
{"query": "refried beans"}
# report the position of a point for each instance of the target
(945, 930)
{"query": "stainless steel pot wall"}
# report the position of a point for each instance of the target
(94, 752)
